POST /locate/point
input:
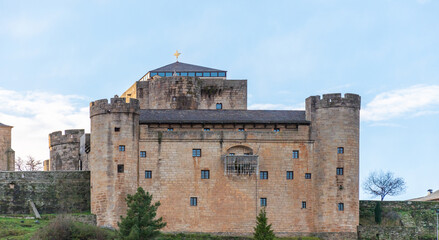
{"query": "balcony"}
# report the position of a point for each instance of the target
(241, 165)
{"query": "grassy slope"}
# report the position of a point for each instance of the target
(12, 228)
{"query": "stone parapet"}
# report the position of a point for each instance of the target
(335, 100)
(117, 105)
(69, 136)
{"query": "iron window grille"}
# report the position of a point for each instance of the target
(240, 165)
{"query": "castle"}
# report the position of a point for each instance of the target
(7, 155)
(184, 134)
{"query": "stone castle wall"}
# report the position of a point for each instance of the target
(7, 155)
(228, 204)
(64, 150)
(52, 192)
(189, 93)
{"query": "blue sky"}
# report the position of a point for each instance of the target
(57, 56)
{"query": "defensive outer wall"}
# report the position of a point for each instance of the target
(64, 150)
(52, 192)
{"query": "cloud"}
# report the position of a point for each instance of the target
(408, 102)
(269, 106)
(35, 114)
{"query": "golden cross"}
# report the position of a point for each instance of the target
(176, 54)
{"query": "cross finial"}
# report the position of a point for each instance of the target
(176, 54)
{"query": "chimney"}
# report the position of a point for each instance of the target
(430, 191)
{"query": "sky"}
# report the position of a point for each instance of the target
(58, 56)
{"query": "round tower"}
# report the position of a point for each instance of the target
(113, 159)
(64, 150)
(335, 122)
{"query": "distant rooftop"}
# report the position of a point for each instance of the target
(222, 116)
(4, 125)
(185, 69)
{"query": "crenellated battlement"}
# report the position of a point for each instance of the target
(69, 136)
(334, 100)
(116, 105)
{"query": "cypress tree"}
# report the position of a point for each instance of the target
(378, 212)
(140, 222)
(262, 230)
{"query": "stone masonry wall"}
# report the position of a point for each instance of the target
(52, 192)
(64, 150)
(189, 93)
(7, 155)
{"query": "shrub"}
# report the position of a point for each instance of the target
(378, 212)
(62, 227)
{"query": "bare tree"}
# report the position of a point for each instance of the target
(383, 184)
(31, 164)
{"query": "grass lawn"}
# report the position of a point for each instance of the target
(13, 228)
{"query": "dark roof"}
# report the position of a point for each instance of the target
(184, 67)
(222, 116)
(4, 125)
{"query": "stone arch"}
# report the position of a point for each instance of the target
(239, 150)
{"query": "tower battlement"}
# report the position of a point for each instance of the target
(117, 104)
(69, 136)
(334, 100)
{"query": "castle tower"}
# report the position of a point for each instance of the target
(7, 155)
(335, 123)
(114, 156)
(64, 150)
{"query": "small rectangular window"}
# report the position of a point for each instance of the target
(340, 150)
(148, 174)
(153, 74)
(191, 74)
(263, 202)
(219, 106)
(117, 129)
(206, 129)
(206, 74)
(296, 154)
(121, 148)
(170, 129)
(263, 174)
(194, 201)
(276, 130)
(184, 74)
(161, 74)
(168, 74)
(290, 175)
(241, 129)
(196, 152)
(221, 74)
(307, 175)
(341, 207)
(214, 74)
(120, 168)
(143, 154)
(198, 74)
(303, 204)
(339, 171)
(205, 174)
(231, 154)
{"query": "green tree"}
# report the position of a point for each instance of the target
(140, 222)
(262, 230)
(378, 212)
